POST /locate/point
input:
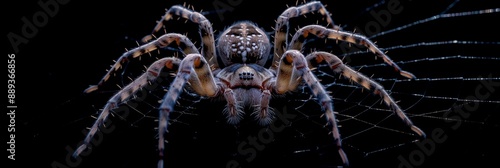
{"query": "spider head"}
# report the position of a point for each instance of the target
(244, 43)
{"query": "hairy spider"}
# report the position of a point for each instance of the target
(234, 68)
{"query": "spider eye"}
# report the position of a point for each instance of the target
(243, 43)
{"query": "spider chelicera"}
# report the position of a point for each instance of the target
(233, 67)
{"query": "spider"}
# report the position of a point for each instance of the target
(233, 67)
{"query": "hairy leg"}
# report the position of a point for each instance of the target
(282, 27)
(206, 32)
(338, 67)
(323, 32)
(194, 70)
(234, 109)
(295, 63)
(263, 113)
(153, 72)
(180, 40)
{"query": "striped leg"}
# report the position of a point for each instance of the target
(338, 67)
(282, 27)
(293, 67)
(153, 72)
(206, 32)
(323, 32)
(194, 70)
(180, 40)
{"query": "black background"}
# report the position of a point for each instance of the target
(75, 47)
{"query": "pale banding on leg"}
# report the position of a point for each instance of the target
(338, 67)
(206, 32)
(296, 60)
(194, 70)
(323, 32)
(153, 72)
(172, 38)
(282, 27)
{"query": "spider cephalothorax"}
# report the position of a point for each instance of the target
(235, 68)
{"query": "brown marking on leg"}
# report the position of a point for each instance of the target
(323, 32)
(377, 89)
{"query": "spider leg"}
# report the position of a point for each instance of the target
(206, 32)
(263, 113)
(338, 67)
(282, 27)
(323, 32)
(193, 70)
(234, 109)
(180, 40)
(293, 67)
(153, 72)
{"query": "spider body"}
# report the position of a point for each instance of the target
(236, 67)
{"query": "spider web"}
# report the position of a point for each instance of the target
(449, 69)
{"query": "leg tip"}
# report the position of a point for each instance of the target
(419, 132)
(79, 150)
(160, 164)
(344, 158)
(91, 89)
(408, 75)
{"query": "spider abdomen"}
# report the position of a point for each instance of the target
(243, 42)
